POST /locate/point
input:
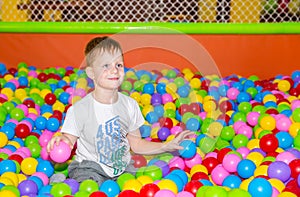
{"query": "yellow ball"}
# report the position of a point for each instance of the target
(188, 76)
(7, 193)
(8, 92)
(154, 132)
(66, 78)
(12, 176)
(168, 184)
(186, 70)
(287, 194)
(146, 99)
(198, 168)
(261, 170)
(284, 85)
(133, 184)
(75, 99)
(146, 109)
(145, 179)
(171, 88)
(14, 143)
(32, 111)
(136, 96)
(170, 105)
(255, 157)
(195, 83)
(278, 184)
(20, 94)
(44, 92)
(47, 115)
(245, 183)
(253, 143)
(34, 90)
(269, 97)
(6, 181)
(3, 139)
(268, 123)
(28, 165)
(21, 177)
(215, 128)
(8, 77)
(209, 106)
(58, 106)
(294, 129)
(195, 98)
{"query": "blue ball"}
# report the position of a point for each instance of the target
(183, 91)
(110, 188)
(161, 88)
(246, 168)
(232, 181)
(206, 182)
(37, 181)
(159, 110)
(177, 180)
(64, 97)
(23, 81)
(8, 130)
(260, 187)
(40, 122)
(223, 90)
(45, 190)
(193, 124)
(52, 124)
(152, 117)
(182, 174)
(285, 139)
(145, 131)
(243, 97)
(189, 149)
(148, 88)
(7, 166)
(45, 167)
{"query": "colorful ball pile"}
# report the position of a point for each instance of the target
(246, 134)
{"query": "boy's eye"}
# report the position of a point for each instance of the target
(106, 66)
(119, 65)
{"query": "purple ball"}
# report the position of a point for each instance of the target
(163, 133)
(163, 166)
(298, 180)
(259, 151)
(27, 187)
(156, 99)
(295, 152)
(74, 185)
(279, 170)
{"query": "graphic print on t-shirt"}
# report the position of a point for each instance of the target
(110, 144)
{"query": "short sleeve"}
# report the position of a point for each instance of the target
(70, 125)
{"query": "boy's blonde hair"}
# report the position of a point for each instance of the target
(98, 45)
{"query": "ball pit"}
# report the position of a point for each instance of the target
(246, 140)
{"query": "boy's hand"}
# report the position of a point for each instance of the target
(174, 144)
(56, 140)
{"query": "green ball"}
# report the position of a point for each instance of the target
(202, 93)
(263, 133)
(253, 78)
(165, 157)
(35, 149)
(179, 81)
(81, 194)
(260, 109)
(3, 156)
(123, 178)
(227, 133)
(138, 86)
(22, 74)
(221, 144)
(22, 65)
(60, 189)
(245, 107)
(11, 188)
(61, 72)
(216, 191)
(126, 85)
(31, 139)
(252, 91)
(16, 101)
(186, 116)
(3, 113)
(34, 82)
(171, 74)
(297, 141)
(58, 91)
(282, 107)
(2, 82)
(146, 78)
(140, 171)
(18, 167)
(269, 158)
(60, 166)
(296, 115)
(236, 192)
(8, 106)
(52, 70)
(207, 144)
(201, 191)
(89, 186)
(17, 114)
(239, 140)
(170, 113)
(153, 172)
(239, 116)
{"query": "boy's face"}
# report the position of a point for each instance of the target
(108, 70)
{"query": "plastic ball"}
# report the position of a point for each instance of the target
(189, 149)
(163, 133)
(7, 166)
(268, 143)
(27, 187)
(98, 194)
(123, 178)
(128, 193)
(153, 172)
(192, 124)
(22, 130)
(246, 168)
(60, 189)
(218, 174)
(232, 181)
(149, 190)
(89, 186)
(61, 152)
(230, 162)
(279, 170)
(260, 187)
(168, 184)
(139, 161)
(110, 188)
(3, 139)
(52, 124)
(193, 186)
(177, 162)
(164, 192)
(197, 159)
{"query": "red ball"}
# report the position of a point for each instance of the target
(166, 122)
(222, 153)
(210, 163)
(29, 103)
(12, 71)
(22, 130)
(42, 77)
(16, 158)
(292, 186)
(98, 194)
(3, 100)
(193, 186)
(149, 190)
(268, 143)
(128, 193)
(295, 168)
(225, 106)
(195, 108)
(199, 176)
(183, 108)
(50, 98)
(139, 161)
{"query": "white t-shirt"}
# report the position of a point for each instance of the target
(101, 130)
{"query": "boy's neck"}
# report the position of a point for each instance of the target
(105, 96)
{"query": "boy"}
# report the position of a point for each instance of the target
(105, 123)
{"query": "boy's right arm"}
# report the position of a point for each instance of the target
(67, 138)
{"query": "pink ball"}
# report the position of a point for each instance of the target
(70, 90)
(164, 193)
(295, 104)
(32, 73)
(230, 162)
(24, 108)
(32, 116)
(218, 174)
(6, 151)
(175, 130)
(193, 161)
(245, 130)
(44, 154)
(202, 115)
(237, 125)
(184, 194)
(45, 137)
(244, 151)
(283, 123)
(286, 157)
(61, 152)
(252, 118)
(275, 192)
(166, 98)
(25, 150)
(42, 176)
(211, 154)
(177, 162)
(232, 93)
(80, 92)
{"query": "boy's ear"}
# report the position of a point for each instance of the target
(90, 73)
